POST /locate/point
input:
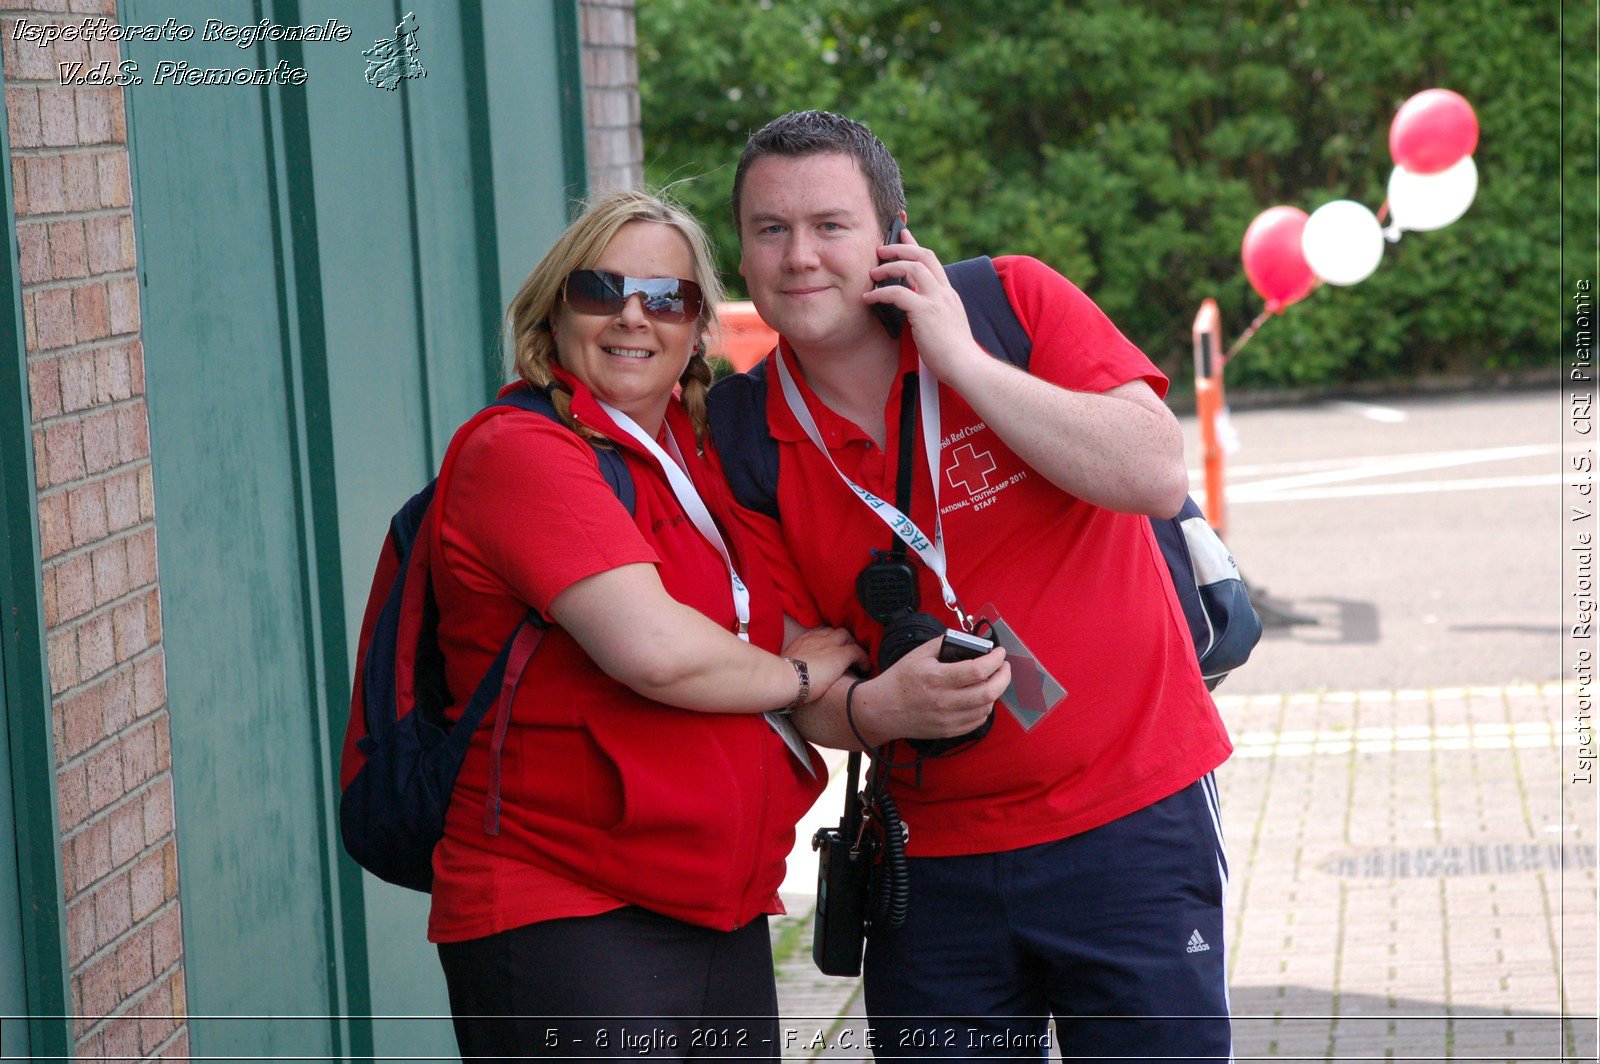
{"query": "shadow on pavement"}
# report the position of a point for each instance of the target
(1325, 620)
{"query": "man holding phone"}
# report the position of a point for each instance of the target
(1065, 865)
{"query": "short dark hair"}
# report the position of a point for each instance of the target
(801, 133)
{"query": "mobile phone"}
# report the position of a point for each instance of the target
(959, 646)
(893, 318)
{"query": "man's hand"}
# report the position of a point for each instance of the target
(1120, 449)
(933, 309)
(924, 698)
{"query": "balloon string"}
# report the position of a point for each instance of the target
(1244, 337)
(1261, 318)
(1383, 211)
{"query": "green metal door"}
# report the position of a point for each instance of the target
(464, 182)
(323, 268)
(13, 987)
(247, 743)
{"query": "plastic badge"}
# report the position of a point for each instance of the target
(786, 730)
(1033, 691)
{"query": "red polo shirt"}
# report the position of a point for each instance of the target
(608, 798)
(1085, 588)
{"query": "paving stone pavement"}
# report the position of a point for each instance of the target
(1413, 878)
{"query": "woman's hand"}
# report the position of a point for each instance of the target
(828, 653)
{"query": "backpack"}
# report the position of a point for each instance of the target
(1216, 604)
(400, 758)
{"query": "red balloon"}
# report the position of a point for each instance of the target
(1273, 260)
(1433, 131)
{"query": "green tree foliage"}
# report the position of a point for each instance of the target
(1129, 143)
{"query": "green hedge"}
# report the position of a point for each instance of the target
(1130, 143)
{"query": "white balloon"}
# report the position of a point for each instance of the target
(1420, 202)
(1343, 242)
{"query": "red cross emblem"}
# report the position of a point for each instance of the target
(971, 470)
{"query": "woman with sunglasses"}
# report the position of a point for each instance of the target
(647, 800)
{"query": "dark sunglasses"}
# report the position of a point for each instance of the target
(667, 299)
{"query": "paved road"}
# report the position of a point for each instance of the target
(1412, 877)
(1423, 535)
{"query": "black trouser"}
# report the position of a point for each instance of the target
(626, 983)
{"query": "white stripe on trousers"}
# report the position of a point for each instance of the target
(1208, 784)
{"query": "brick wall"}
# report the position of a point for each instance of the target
(611, 94)
(97, 535)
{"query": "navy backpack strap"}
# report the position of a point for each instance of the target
(407, 522)
(498, 688)
(612, 467)
(737, 406)
(994, 324)
(615, 470)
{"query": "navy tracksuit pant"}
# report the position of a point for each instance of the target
(1116, 932)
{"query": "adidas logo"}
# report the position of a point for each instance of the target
(1197, 944)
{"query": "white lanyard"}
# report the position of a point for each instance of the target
(676, 470)
(931, 552)
(674, 467)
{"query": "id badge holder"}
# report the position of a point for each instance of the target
(1033, 691)
(790, 735)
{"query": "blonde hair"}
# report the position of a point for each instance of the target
(530, 317)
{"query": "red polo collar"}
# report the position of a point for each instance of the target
(837, 430)
(588, 411)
